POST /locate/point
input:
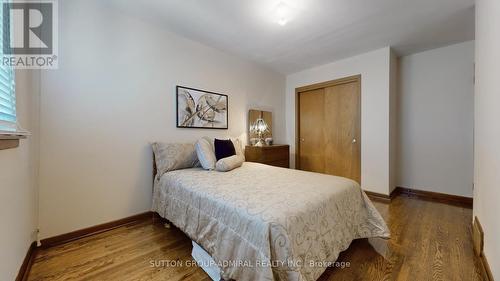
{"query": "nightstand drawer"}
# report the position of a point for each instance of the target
(275, 155)
(285, 163)
(271, 154)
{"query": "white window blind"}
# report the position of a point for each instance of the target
(8, 119)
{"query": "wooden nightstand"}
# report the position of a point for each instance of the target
(274, 155)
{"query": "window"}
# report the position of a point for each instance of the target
(8, 119)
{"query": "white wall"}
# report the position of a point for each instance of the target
(18, 193)
(487, 129)
(113, 94)
(436, 120)
(374, 69)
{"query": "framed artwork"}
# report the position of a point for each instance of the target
(201, 109)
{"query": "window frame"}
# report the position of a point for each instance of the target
(10, 131)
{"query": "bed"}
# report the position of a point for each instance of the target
(259, 222)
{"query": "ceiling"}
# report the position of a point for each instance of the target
(318, 32)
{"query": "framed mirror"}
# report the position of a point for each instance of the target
(260, 126)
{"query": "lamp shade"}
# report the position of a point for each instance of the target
(259, 126)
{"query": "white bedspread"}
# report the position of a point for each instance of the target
(265, 223)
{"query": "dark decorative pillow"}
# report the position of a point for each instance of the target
(223, 149)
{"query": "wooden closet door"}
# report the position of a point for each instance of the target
(311, 133)
(342, 124)
(329, 128)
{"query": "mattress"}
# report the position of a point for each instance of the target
(259, 222)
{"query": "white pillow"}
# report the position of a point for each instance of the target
(229, 163)
(238, 148)
(211, 142)
(206, 154)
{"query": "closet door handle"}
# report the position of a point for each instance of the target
(354, 141)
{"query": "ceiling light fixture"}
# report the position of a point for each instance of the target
(282, 13)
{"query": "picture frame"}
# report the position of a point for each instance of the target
(200, 109)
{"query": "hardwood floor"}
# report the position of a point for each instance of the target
(430, 241)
